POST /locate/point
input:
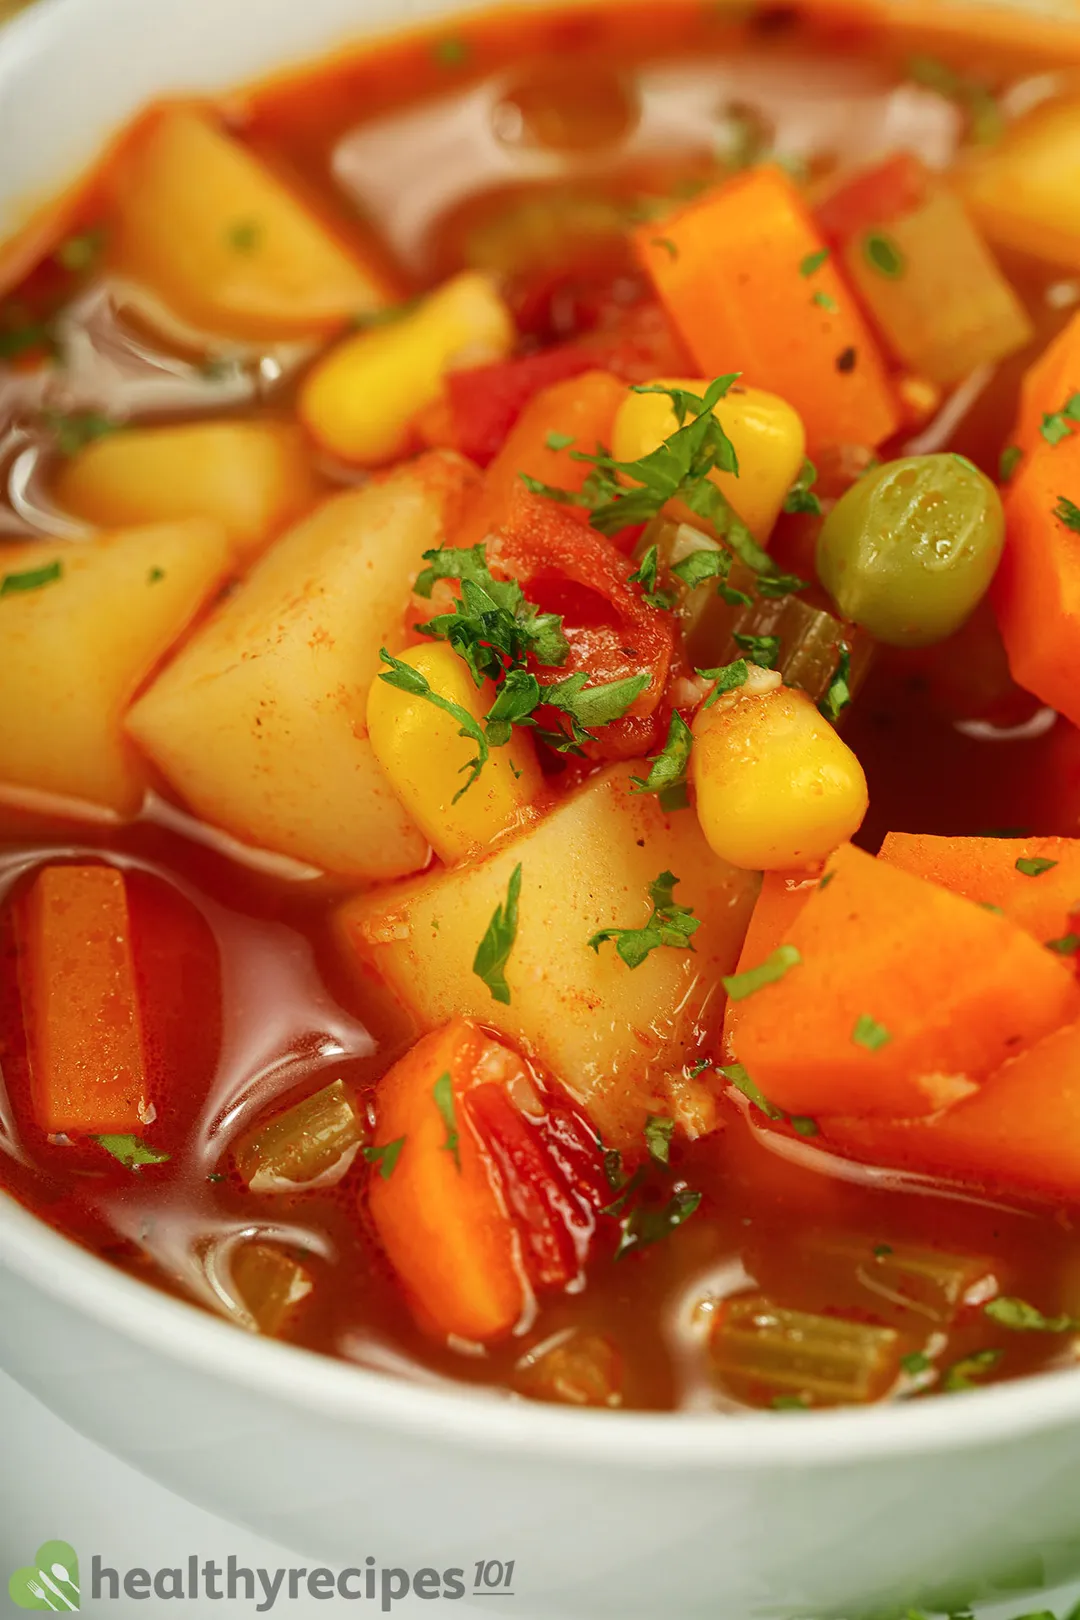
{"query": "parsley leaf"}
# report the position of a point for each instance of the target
(707, 564)
(493, 952)
(659, 1130)
(739, 1077)
(245, 235)
(1021, 1317)
(782, 960)
(1067, 945)
(776, 585)
(492, 624)
(451, 52)
(413, 681)
(728, 679)
(813, 262)
(800, 497)
(963, 1373)
(667, 771)
(1034, 865)
(915, 1363)
(665, 242)
(443, 1093)
(670, 924)
(761, 650)
(1068, 512)
(870, 1034)
(130, 1151)
(838, 693)
(825, 301)
(73, 432)
(884, 255)
(82, 252)
(645, 576)
(386, 1156)
(645, 1226)
(31, 579)
(1011, 457)
(594, 705)
(1058, 425)
(559, 441)
(790, 1403)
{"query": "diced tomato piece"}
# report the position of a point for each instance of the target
(873, 197)
(486, 401)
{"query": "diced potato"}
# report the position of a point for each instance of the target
(260, 722)
(1022, 190)
(312, 1144)
(223, 242)
(270, 1286)
(360, 401)
(254, 478)
(609, 1033)
(78, 646)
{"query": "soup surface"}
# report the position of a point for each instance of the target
(539, 780)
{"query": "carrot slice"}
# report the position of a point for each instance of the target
(574, 415)
(733, 272)
(1048, 385)
(1019, 1133)
(81, 1003)
(1036, 594)
(989, 871)
(903, 998)
(783, 896)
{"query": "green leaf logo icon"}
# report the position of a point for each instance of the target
(51, 1582)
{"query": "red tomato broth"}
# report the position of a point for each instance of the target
(202, 919)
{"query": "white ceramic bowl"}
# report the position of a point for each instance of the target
(802, 1515)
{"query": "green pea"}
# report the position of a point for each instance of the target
(910, 551)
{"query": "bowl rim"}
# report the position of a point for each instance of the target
(483, 1421)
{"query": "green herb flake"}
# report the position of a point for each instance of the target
(1058, 425)
(1034, 865)
(73, 431)
(825, 301)
(407, 679)
(740, 1079)
(443, 1093)
(870, 1034)
(155, 576)
(882, 1251)
(800, 497)
(494, 949)
(645, 575)
(129, 1151)
(1020, 1317)
(838, 693)
(216, 1176)
(451, 51)
(1068, 512)
(671, 248)
(645, 1226)
(782, 960)
(729, 678)
(1067, 945)
(803, 1126)
(813, 262)
(81, 253)
(668, 770)
(670, 924)
(825, 879)
(31, 579)
(1011, 457)
(26, 336)
(963, 1374)
(917, 1363)
(761, 650)
(387, 1156)
(884, 255)
(659, 1130)
(244, 235)
(559, 441)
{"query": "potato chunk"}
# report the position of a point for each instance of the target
(253, 478)
(204, 224)
(78, 645)
(609, 1033)
(260, 722)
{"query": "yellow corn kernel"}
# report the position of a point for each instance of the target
(776, 787)
(424, 756)
(360, 401)
(767, 433)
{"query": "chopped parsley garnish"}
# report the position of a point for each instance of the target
(962, 1374)
(369, 320)
(827, 302)
(245, 235)
(761, 650)
(1067, 945)
(669, 247)
(977, 100)
(667, 772)
(492, 624)
(740, 1078)
(407, 679)
(1011, 457)
(73, 431)
(1058, 425)
(645, 576)
(559, 441)
(387, 1156)
(644, 1226)
(838, 693)
(870, 1034)
(802, 1126)
(1034, 865)
(776, 585)
(728, 679)
(659, 1130)
(813, 262)
(707, 564)
(494, 949)
(882, 1251)
(670, 924)
(790, 1403)
(916, 1363)
(451, 52)
(1021, 1317)
(884, 255)
(443, 1093)
(31, 579)
(800, 497)
(129, 1151)
(82, 252)
(24, 337)
(825, 879)
(155, 576)
(771, 971)
(1068, 512)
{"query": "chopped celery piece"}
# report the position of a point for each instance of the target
(582, 1369)
(311, 1144)
(269, 1284)
(811, 638)
(761, 1351)
(904, 1280)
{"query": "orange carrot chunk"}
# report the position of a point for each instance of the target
(895, 997)
(1020, 1133)
(1048, 386)
(81, 1003)
(782, 897)
(744, 275)
(1036, 594)
(1034, 881)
